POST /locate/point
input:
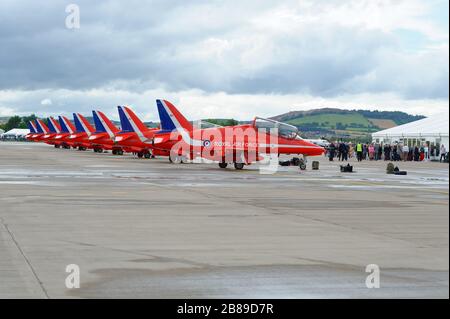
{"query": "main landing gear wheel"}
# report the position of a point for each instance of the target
(147, 155)
(114, 152)
(56, 146)
(302, 165)
(140, 155)
(177, 159)
(238, 166)
(223, 165)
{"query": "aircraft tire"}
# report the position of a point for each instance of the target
(140, 155)
(147, 155)
(239, 166)
(176, 159)
(223, 165)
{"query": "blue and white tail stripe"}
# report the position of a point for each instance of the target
(128, 125)
(79, 125)
(64, 126)
(166, 117)
(31, 127)
(170, 122)
(99, 126)
(125, 124)
(51, 127)
(39, 127)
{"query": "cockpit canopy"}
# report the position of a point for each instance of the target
(204, 125)
(277, 128)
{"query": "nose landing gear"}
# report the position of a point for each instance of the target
(223, 165)
(239, 166)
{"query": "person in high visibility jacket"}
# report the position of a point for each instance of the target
(359, 152)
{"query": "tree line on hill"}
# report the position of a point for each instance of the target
(396, 116)
(17, 122)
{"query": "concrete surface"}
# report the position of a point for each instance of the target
(150, 229)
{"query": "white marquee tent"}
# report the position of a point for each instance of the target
(16, 133)
(432, 130)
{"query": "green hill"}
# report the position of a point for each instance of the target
(344, 124)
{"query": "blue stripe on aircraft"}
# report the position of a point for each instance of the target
(31, 128)
(78, 126)
(51, 127)
(124, 123)
(167, 124)
(64, 128)
(39, 128)
(99, 128)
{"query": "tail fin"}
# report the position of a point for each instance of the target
(41, 127)
(171, 119)
(130, 122)
(66, 125)
(53, 125)
(32, 127)
(103, 124)
(81, 124)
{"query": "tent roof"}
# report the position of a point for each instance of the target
(431, 126)
(17, 131)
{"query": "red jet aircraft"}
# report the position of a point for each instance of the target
(42, 130)
(241, 144)
(103, 137)
(135, 136)
(54, 129)
(33, 131)
(67, 129)
(83, 130)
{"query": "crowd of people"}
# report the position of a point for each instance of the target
(389, 152)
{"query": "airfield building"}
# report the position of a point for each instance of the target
(432, 130)
(15, 134)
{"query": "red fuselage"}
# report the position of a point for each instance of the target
(79, 140)
(104, 141)
(139, 144)
(232, 143)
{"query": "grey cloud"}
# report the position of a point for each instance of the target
(139, 45)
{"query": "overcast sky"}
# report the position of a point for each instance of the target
(224, 58)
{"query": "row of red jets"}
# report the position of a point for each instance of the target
(176, 137)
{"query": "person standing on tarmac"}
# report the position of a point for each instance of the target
(345, 152)
(332, 151)
(371, 152)
(387, 152)
(443, 153)
(405, 151)
(359, 152)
